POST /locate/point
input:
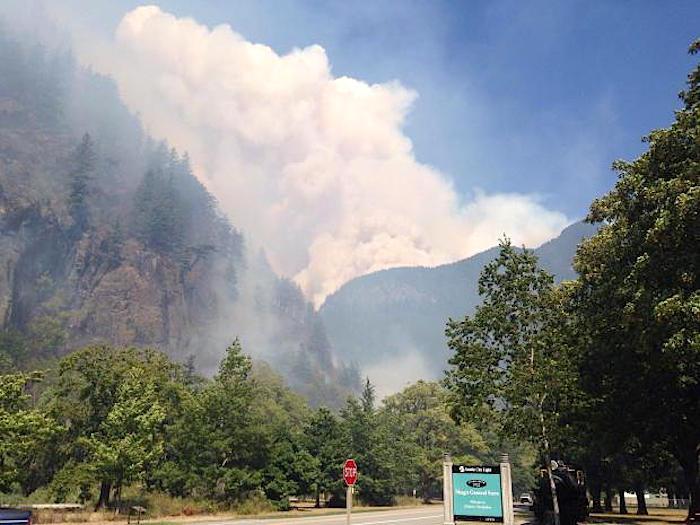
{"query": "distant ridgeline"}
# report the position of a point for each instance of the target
(106, 236)
(393, 316)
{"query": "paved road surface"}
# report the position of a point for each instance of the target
(430, 515)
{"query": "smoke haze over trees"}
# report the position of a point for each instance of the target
(108, 237)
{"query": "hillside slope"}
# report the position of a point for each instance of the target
(392, 322)
(107, 237)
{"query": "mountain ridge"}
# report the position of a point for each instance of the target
(398, 315)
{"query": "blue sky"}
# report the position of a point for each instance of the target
(513, 96)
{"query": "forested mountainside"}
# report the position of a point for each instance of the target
(394, 320)
(106, 236)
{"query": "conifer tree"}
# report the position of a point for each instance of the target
(81, 172)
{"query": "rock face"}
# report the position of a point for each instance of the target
(393, 321)
(111, 239)
(103, 284)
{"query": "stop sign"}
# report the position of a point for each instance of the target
(350, 471)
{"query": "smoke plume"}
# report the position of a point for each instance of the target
(316, 168)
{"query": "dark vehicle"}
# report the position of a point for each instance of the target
(15, 516)
(570, 483)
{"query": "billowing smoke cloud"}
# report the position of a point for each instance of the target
(314, 167)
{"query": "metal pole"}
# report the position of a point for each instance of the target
(448, 518)
(348, 504)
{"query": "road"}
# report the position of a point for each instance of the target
(430, 515)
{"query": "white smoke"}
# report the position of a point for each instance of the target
(315, 167)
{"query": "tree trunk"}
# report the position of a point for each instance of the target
(691, 473)
(118, 498)
(105, 490)
(641, 502)
(318, 498)
(548, 459)
(623, 503)
(424, 487)
(608, 500)
(595, 496)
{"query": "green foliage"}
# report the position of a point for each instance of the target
(511, 367)
(132, 418)
(23, 429)
(47, 335)
(420, 414)
(373, 445)
(212, 447)
(639, 295)
(13, 349)
(324, 441)
(114, 404)
(129, 440)
(81, 172)
(159, 214)
(235, 366)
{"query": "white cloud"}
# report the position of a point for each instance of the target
(315, 167)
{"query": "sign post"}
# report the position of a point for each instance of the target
(447, 490)
(507, 490)
(350, 477)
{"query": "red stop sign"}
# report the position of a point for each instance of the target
(350, 471)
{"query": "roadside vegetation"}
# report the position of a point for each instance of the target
(603, 371)
(116, 427)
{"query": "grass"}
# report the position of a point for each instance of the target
(157, 505)
(163, 509)
(253, 505)
(656, 516)
(408, 501)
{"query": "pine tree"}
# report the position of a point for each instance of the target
(159, 215)
(82, 169)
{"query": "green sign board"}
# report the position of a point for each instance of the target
(476, 493)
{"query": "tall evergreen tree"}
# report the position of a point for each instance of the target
(159, 217)
(324, 442)
(81, 172)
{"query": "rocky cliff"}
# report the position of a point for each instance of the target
(106, 236)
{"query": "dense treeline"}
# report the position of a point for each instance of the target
(603, 371)
(107, 419)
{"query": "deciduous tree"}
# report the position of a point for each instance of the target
(640, 291)
(512, 366)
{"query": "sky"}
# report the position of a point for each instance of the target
(351, 137)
